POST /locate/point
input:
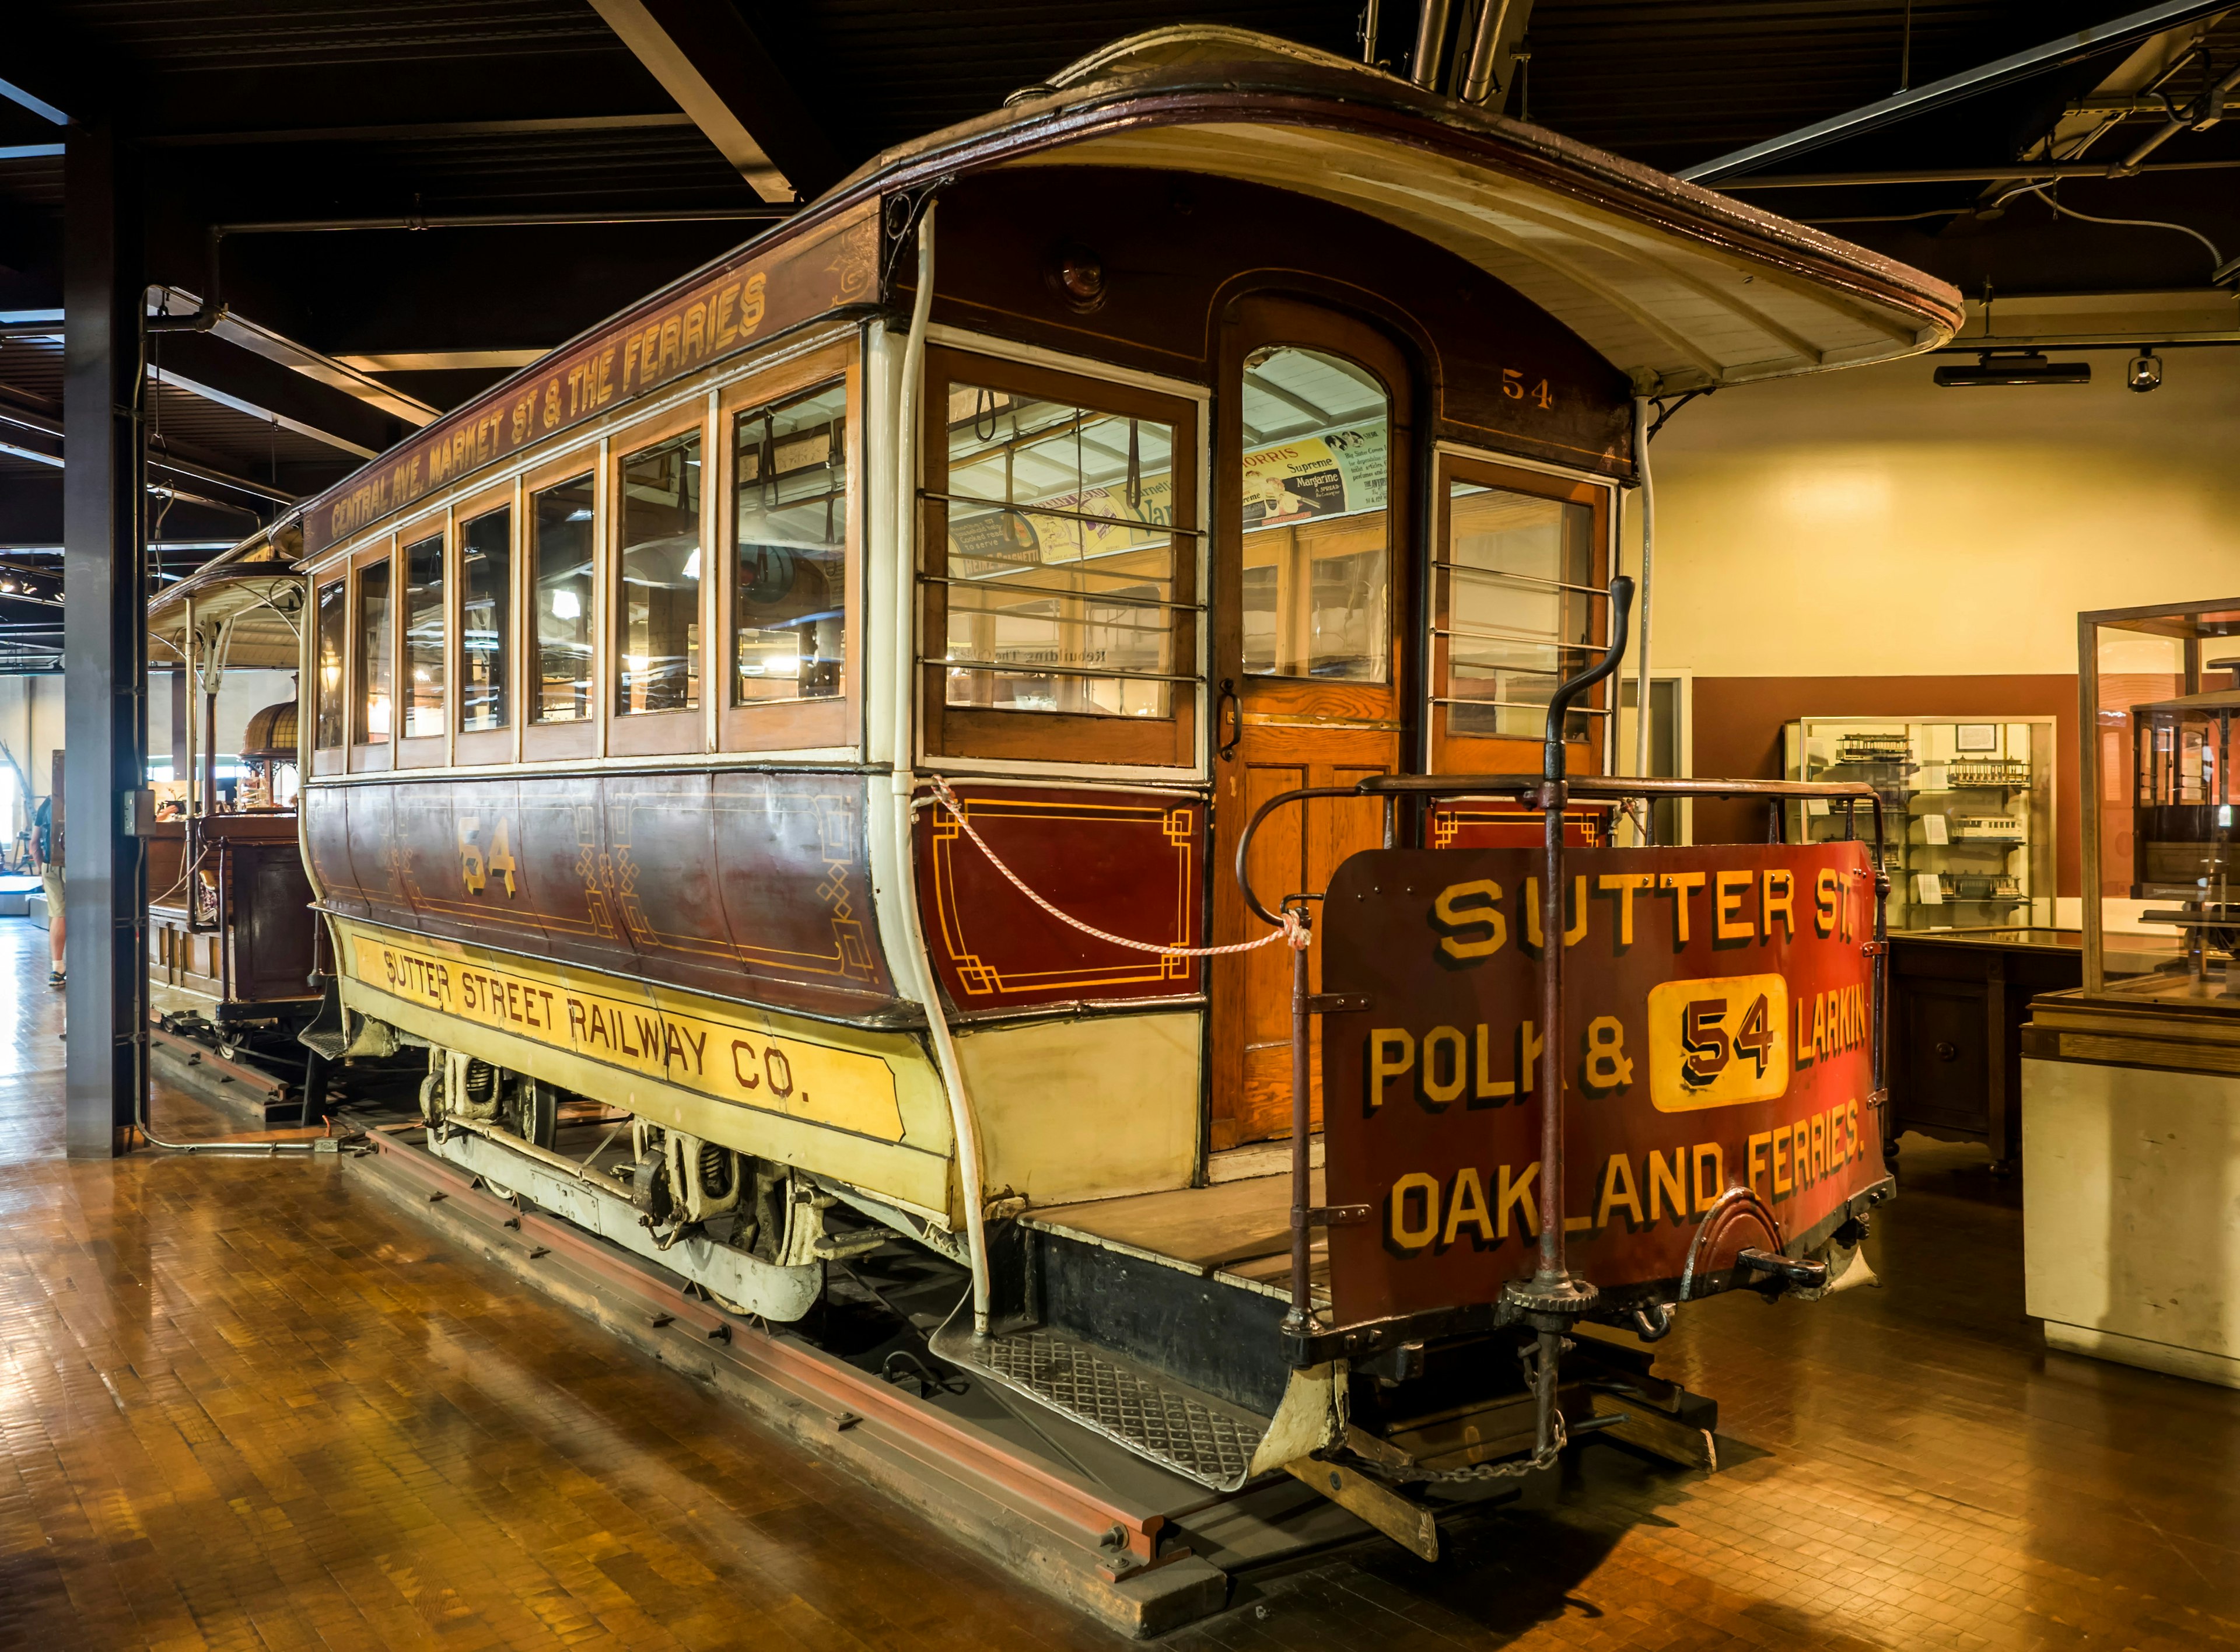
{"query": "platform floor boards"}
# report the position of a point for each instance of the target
(244, 1407)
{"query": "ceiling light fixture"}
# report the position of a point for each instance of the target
(2014, 367)
(2143, 372)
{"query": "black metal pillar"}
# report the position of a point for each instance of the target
(104, 642)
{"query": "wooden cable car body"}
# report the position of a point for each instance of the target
(231, 937)
(1262, 430)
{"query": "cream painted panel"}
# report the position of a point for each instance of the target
(1869, 524)
(2131, 1215)
(1086, 1109)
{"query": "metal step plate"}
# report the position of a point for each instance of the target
(1177, 1427)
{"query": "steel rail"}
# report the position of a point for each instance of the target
(950, 1447)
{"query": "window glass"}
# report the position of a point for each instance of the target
(485, 610)
(423, 638)
(560, 522)
(1519, 615)
(657, 605)
(789, 590)
(1061, 561)
(333, 617)
(373, 660)
(1317, 563)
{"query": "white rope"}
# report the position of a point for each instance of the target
(1295, 928)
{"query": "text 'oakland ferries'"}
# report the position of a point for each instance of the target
(1718, 1008)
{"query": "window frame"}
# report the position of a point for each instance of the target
(420, 751)
(368, 757)
(498, 745)
(541, 741)
(1508, 754)
(335, 759)
(795, 724)
(1059, 737)
(686, 731)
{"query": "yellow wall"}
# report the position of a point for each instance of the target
(1869, 524)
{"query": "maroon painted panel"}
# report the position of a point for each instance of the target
(561, 846)
(458, 852)
(818, 830)
(1714, 1042)
(661, 855)
(325, 822)
(1130, 863)
(376, 855)
(1496, 825)
(1505, 375)
(751, 885)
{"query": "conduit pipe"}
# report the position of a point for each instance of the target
(965, 1124)
(1477, 73)
(1430, 45)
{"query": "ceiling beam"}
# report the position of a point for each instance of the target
(705, 57)
(21, 411)
(223, 372)
(413, 132)
(1969, 82)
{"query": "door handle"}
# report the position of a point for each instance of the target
(1228, 699)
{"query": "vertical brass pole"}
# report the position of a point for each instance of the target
(1552, 1269)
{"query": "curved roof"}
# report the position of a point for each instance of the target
(251, 592)
(1678, 286)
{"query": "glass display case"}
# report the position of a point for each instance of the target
(1968, 803)
(2162, 891)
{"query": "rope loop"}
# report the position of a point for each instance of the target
(1297, 929)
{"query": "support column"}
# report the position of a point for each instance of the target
(104, 642)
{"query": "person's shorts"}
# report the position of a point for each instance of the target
(51, 881)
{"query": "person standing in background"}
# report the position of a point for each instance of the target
(47, 845)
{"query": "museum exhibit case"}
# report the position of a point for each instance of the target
(1976, 797)
(2131, 1082)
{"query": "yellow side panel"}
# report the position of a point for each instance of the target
(1086, 1109)
(865, 1106)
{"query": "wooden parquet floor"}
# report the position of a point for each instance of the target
(243, 1406)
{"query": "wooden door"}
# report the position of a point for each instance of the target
(1312, 560)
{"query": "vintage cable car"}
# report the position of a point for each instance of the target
(232, 941)
(817, 713)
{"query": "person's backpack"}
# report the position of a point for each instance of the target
(46, 818)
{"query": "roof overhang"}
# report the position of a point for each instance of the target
(1678, 286)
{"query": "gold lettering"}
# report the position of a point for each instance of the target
(1574, 921)
(726, 328)
(1435, 1089)
(1708, 1154)
(751, 310)
(1487, 1090)
(1405, 1233)
(1732, 926)
(1625, 883)
(1618, 1189)
(1778, 878)
(1667, 1184)
(1466, 1204)
(1517, 1195)
(1680, 886)
(1484, 913)
(1382, 1067)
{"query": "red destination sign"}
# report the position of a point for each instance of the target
(1718, 1009)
